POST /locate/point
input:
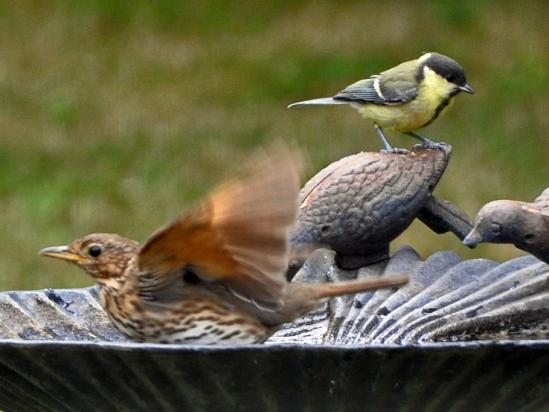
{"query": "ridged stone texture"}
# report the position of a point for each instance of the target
(58, 351)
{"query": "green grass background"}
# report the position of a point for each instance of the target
(115, 116)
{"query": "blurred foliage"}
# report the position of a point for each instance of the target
(116, 116)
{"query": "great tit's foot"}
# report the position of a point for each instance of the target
(429, 144)
(395, 150)
(426, 143)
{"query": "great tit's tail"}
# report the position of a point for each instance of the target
(318, 102)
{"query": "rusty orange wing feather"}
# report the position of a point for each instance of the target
(238, 236)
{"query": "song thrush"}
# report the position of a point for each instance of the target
(217, 274)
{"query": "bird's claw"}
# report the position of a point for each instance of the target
(428, 144)
(395, 150)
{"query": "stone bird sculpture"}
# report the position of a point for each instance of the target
(526, 225)
(360, 203)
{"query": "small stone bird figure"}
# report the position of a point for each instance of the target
(526, 225)
(404, 98)
(216, 275)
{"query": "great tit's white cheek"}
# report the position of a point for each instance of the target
(435, 86)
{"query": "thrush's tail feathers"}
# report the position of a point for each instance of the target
(318, 102)
(300, 298)
(317, 291)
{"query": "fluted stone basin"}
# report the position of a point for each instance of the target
(462, 335)
(92, 376)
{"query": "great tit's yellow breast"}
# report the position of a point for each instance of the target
(434, 96)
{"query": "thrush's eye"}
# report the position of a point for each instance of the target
(95, 250)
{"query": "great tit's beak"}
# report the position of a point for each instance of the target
(467, 89)
(61, 252)
(472, 239)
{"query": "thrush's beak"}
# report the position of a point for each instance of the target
(472, 239)
(467, 89)
(61, 252)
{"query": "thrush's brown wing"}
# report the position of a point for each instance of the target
(237, 237)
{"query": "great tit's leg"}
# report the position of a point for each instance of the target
(388, 147)
(381, 135)
(426, 142)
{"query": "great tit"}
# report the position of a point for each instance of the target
(405, 98)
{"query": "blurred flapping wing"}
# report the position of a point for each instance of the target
(238, 236)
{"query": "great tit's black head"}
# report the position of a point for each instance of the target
(447, 68)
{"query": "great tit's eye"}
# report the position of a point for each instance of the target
(495, 228)
(451, 78)
(95, 250)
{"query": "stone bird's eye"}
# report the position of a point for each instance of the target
(495, 228)
(95, 250)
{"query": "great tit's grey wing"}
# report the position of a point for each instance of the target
(361, 92)
(395, 86)
(400, 84)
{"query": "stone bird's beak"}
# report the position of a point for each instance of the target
(473, 238)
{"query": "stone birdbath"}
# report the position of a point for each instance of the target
(462, 335)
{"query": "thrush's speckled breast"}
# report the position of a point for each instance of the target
(216, 274)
